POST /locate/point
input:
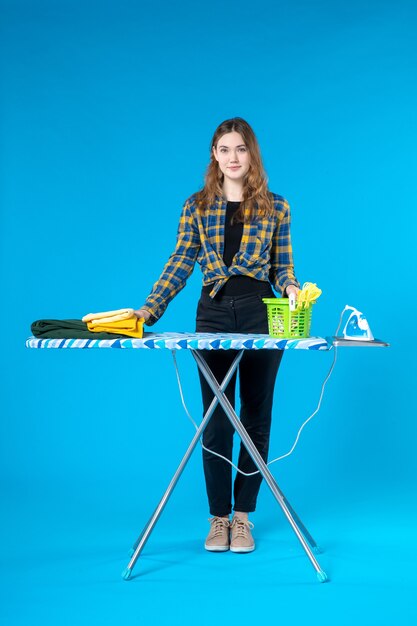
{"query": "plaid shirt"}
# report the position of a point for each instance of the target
(265, 252)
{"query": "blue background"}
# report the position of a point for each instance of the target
(107, 112)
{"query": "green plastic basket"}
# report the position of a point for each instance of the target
(285, 323)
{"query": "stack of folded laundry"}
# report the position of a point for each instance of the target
(122, 321)
(107, 325)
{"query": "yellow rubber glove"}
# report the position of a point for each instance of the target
(308, 295)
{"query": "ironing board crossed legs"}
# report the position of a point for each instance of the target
(300, 530)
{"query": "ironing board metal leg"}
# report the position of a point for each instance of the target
(257, 459)
(303, 529)
(144, 536)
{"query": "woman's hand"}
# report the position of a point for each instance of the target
(292, 289)
(142, 313)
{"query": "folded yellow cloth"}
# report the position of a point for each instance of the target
(109, 316)
(308, 295)
(132, 327)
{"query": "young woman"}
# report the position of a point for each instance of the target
(239, 233)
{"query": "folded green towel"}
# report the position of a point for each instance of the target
(68, 329)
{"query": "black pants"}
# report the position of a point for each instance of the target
(257, 374)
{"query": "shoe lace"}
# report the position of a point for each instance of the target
(218, 524)
(241, 527)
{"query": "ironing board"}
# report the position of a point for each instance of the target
(214, 341)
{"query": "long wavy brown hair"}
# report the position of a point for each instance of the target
(256, 196)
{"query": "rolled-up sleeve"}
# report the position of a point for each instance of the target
(282, 266)
(178, 267)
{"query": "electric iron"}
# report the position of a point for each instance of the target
(356, 326)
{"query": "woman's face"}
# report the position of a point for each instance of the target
(232, 155)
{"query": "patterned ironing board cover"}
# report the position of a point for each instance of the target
(189, 341)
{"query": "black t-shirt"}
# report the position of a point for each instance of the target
(232, 233)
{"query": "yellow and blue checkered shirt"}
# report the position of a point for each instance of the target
(265, 252)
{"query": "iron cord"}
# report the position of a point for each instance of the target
(283, 456)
